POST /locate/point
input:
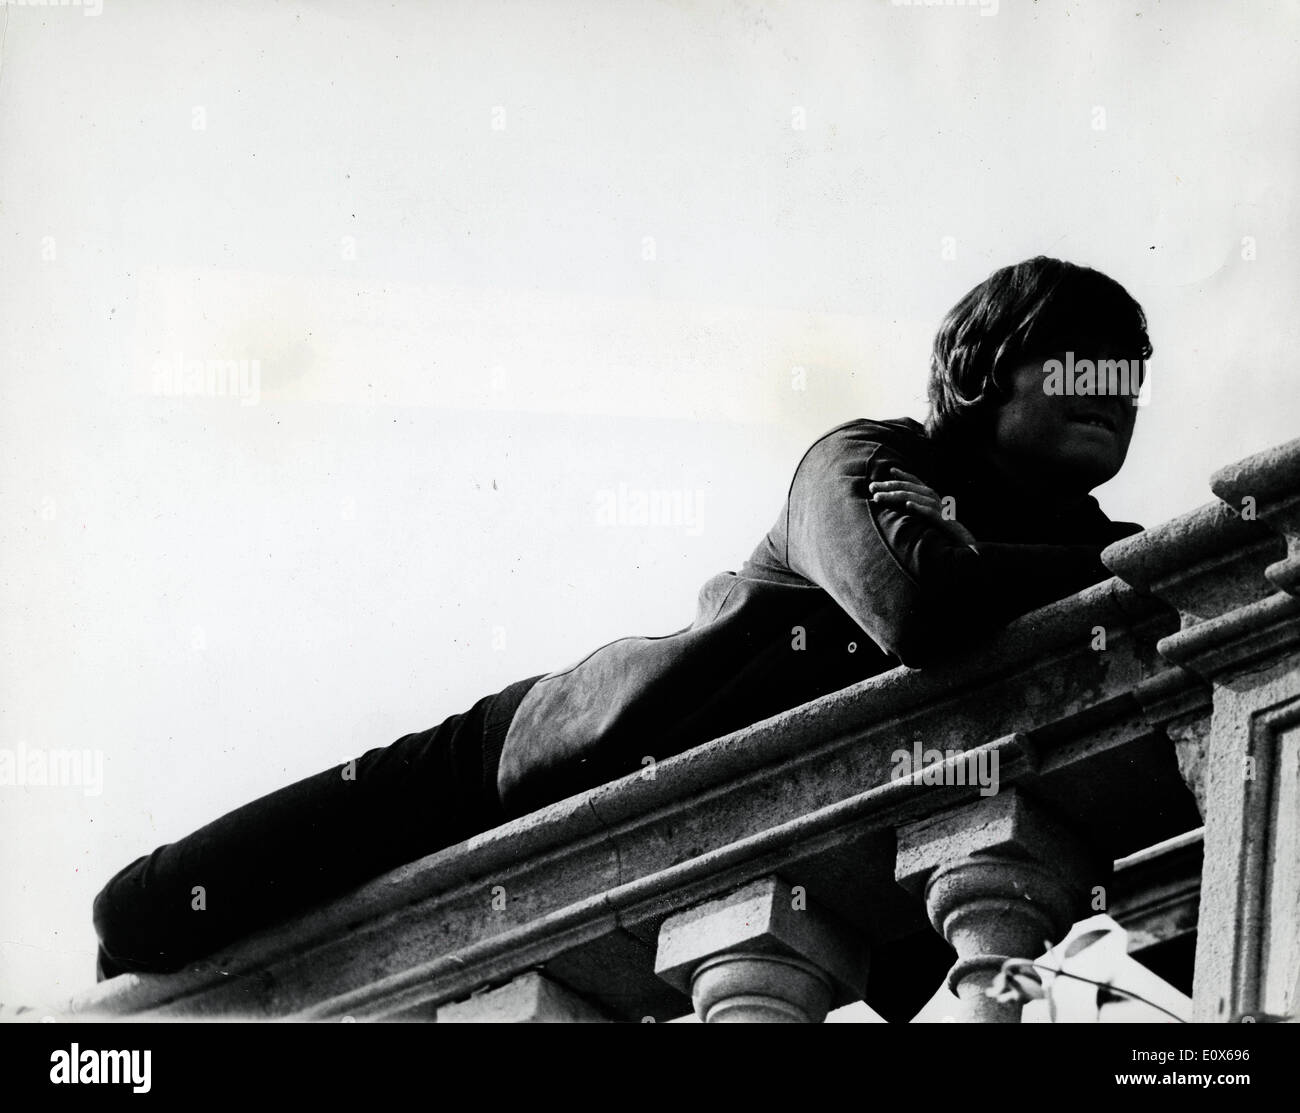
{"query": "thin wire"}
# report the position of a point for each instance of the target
(1105, 985)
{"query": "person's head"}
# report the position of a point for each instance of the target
(994, 389)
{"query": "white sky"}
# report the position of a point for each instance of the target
(221, 598)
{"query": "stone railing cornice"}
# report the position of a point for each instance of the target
(1206, 564)
(1211, 566)
(1269, 484)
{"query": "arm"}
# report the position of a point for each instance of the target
(913, 584)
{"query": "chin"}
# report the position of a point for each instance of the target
(1080, 474)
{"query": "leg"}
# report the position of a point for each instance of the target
(307, 842)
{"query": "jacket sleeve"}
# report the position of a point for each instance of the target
(918, 593)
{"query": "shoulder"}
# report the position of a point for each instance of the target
(853, 443)
(898, 430)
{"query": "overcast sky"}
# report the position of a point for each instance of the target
(504, 268)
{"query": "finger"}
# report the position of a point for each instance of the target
(899, 485)
(901, 495)
(905, 498)
(905, 477)
(930, 512)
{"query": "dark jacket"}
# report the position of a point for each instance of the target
(840, 589)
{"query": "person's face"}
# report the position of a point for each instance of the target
(1068, 443)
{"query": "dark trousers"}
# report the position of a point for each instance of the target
(307, 843)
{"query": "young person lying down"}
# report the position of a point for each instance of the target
(898, 543)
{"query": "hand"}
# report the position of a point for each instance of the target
(908, 491)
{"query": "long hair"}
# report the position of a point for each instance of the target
(1023, 312)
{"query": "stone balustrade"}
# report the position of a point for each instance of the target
(803, 863)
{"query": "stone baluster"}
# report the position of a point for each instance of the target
(1000, 880)
(762, 954)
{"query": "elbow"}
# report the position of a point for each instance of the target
(914, 642)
